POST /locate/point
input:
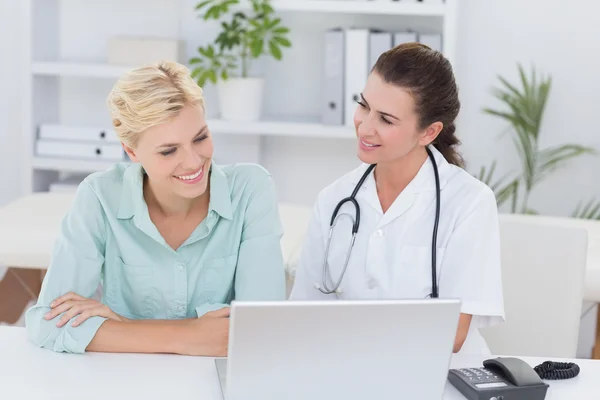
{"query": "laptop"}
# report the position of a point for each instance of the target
(299, 350)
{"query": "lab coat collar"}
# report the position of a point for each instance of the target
(424, 181)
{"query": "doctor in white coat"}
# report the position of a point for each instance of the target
(407, 108)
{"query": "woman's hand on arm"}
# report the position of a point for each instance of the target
(77, 260)
(72, 305)
(207, 335)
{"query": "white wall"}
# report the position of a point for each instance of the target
(9, 101)
(560, 38)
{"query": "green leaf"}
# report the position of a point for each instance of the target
(212, 76)
(224, 75)
(196, 72)
(210, 51)
(229, 3)
(515, 196)
(270, 25)
(196, 60)
(204, 52)
(256, 47)
(282, 41)
(274, 49)
(591, 210)
(202, 78)
(267, 9)
(203, 4)
(503, 191)
(552, 158)
(503, 194)
(281, 30)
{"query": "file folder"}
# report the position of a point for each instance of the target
(379, 42)
(433, 40)
(356, 69)
(79, 150)
(333, 82)
(405, 37)
(78, 133)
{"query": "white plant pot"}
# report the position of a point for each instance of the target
(240, 99)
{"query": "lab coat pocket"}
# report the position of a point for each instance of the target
(217, 276)
(136, 288)
(415, 273)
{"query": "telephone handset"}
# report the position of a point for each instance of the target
(508, 378)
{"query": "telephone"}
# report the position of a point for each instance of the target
(508, 378)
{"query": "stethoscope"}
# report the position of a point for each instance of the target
(356, 223)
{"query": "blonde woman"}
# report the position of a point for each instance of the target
(172, 237)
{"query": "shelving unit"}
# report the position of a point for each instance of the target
(68, 76)
(77, 69)
(69, 165)
(379, 7)
(281, 128)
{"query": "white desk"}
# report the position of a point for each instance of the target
(29, 373)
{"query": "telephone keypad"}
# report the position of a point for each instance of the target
(477, 375)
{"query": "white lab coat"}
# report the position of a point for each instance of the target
(391, 258)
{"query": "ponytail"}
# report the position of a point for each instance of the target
(445, 143)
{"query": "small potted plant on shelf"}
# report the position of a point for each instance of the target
(247, 35)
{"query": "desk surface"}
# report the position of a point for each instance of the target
(30, 373)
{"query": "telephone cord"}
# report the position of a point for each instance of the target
(551, 370)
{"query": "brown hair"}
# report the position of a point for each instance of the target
(427, 75)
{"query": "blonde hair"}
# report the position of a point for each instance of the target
(151, 95)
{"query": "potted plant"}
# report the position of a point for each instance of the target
(247, 35)
(524, 107)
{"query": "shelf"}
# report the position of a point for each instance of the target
(281, 128)
(387, 7)
(68, 165)
(76, 69)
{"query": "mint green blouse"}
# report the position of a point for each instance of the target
(108, 238)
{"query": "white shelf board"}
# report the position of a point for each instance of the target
(70, 165)
(78, 69)
(281, 128)
(387, 7)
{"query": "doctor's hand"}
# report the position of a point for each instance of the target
(207, 336)
(72, 304)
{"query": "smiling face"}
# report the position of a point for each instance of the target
(177, 155)
(387, 125)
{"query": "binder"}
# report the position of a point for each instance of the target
(333, 82)
(379, 42)
(433, 40)
(80, 150)
(356, 69)
(405, 37)
(78, 133)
